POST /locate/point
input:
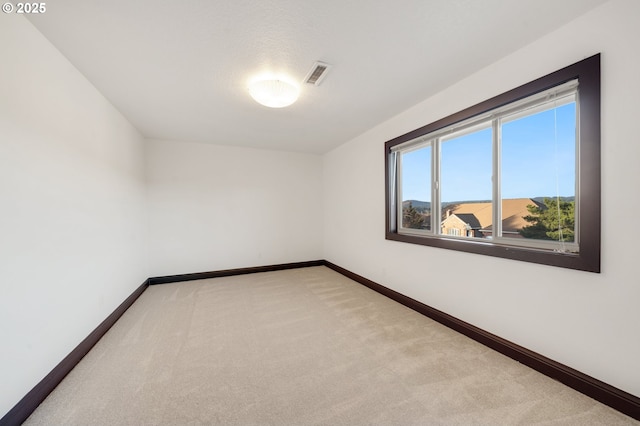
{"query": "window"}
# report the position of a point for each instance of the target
(516, 176)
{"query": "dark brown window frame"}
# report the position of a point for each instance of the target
(587, 72)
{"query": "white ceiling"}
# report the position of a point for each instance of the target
(178, 69)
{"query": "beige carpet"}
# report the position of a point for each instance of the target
(300, 347)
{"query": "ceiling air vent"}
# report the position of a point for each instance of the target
(317, 73)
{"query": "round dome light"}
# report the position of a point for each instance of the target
(274, 93)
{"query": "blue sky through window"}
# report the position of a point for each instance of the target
(538, 159)
(466, 167)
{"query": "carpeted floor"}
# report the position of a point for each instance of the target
(300, 347)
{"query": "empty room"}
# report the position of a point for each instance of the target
(286, 212)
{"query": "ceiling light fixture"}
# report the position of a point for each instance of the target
(274, 92)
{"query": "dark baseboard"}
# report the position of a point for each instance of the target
(27, 405)
(616, 398)
(229, 272)
(594, 388)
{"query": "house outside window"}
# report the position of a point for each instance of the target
(507, 177)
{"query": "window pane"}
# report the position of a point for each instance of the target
(543, 174)
(416, 188)
(466, 188)
(539, 175)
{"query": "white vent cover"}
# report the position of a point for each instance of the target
(317, 73)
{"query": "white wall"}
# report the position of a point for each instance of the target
(217, 207)
(77, 212)
(71, 206)
(587, 321)
(80, 219)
